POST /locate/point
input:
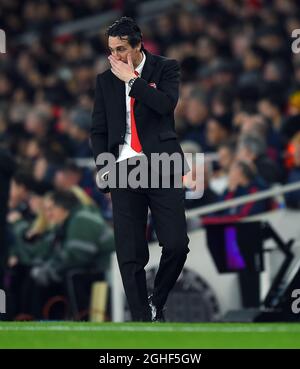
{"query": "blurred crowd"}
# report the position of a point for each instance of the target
(18, 17)
(239, 99)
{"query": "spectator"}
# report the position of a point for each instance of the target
(252, 149)
(83, 242)
(218, 130)
(21, 183)
(292, 199)
(196, 116)
(272, 106)
(80, 240)
(71, 175)
(84, 239)
(32, 246)
(80, 133)
(242, 181)
(226, 154)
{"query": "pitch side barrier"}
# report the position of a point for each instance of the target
(262, 195)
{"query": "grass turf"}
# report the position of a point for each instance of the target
(142, 335)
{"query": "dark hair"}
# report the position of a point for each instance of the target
(247, 171)
(64, 199)
(259, 52)
(40, 188)
(273, 92)
(24, 178)
(277, 101)
(224, 121)
(126, 28)
(70, 166)
(229, 145)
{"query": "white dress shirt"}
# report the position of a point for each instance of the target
(126, 150)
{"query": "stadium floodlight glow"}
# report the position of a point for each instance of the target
(2, 42)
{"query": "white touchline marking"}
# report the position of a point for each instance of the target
(58, 328)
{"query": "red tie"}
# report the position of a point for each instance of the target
(135, 142)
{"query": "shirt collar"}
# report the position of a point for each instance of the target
(139, 68)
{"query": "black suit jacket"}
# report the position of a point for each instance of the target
(153, 110)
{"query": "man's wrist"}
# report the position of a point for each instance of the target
(133, 75)
(131, 81)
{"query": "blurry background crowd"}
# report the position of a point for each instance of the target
(239, 104)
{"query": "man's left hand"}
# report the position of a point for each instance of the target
(122, 70)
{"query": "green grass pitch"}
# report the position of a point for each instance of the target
(144, 335)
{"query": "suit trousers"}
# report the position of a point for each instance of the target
(130, 214)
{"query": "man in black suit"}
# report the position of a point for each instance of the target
(133, 117)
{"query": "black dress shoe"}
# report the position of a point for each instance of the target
(157, 314)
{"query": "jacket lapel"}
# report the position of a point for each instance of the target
(148, 66)
(148, 69)
(120, 90)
